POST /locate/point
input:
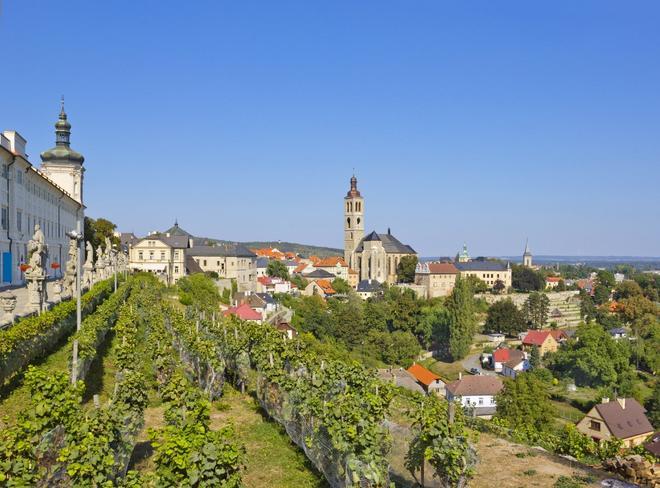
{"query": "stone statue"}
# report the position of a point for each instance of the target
(69, 281)
(36, 275)
(38, 252)
(100, 263)
(89, 265)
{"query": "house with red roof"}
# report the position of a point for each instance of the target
(552, 282)
(320, 287)
(431, 382)
(503, 355)
(243, 312)
(272, 284)
(334, 265)
(543, 339)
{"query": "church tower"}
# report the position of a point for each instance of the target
(527, 256)
(353, 222)
(61, 164)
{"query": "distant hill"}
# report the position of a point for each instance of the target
(304, 250)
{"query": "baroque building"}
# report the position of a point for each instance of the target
(376, 256)
(50, 196)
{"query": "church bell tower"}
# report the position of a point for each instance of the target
(61, 164)
(353, 222)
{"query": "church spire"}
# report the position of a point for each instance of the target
(62, 128)
(353, 192)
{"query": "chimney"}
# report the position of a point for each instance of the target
(388, 231)
(16, 142)
(622, 402)
(605, 400)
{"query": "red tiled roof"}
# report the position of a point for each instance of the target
(536, 337)
(442, 268)
(300, 268)
(423, 375)
(558, 334)
(326, 286)
(330, 262)
(553, 279)
(264, 280)
(505, 354)
(243, 312)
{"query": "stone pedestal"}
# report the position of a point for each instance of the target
(36, 292)
(88, 275)
(8, 305)
(57, 290)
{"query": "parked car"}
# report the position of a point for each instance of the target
(475, 371)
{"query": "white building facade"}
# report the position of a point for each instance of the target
(31, 196)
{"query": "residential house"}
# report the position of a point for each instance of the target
(401, 377)
(512, 367)
(286, 329)
(334, 265)
(431, 382)
(503, 355)
(319, 274)
(623, 419)
(291, 265)
(368, 288)
(475, 393)
(618, 333)
(263, 303)
(261, 266)
(163, 255)
(268, 284)
(244, 312)
(560, 335)
(543, 339)
(320, 287)
(303, 268)
(552, 282)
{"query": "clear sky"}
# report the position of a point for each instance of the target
(480, 121)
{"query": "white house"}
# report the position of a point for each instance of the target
(514, 366)
(475, 393)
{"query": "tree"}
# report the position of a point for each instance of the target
(310, 315)
(403, 309)
(499, 286)
(441, 439)
(561, 286)
(346, 322)
(300, 282)
(504, 317)
(406, 269)
(478, 285)
(606, 279)
(635, 307)
(526, 279)
(462, 319)
(96, 230)
(525, 403)
(535, 309)
(277, 269)
(534, 358)
(374, 315)
(587, 307)
(627, 289)
(653, 406)
(340, 285)
(594, 359)
(199, 291)
(601, 294)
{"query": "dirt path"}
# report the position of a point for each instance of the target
(272, 459)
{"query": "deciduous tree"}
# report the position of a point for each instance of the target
(504, 317)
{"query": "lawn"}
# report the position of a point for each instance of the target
(448, 371)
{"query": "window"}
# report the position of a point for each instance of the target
(205, 262)
(593, 425)
(19, 177)
(176, 269)
(162, 255)
(151, 254)
(140, 255)
(481, 401)
(176, 254)
(5, 218)
(19, 219)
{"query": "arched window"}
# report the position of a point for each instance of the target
(358, 221)
(348, 221)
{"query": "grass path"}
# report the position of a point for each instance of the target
(271, 458)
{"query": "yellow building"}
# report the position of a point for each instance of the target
(623, 419)
(438, 279)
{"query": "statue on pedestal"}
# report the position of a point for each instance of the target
(88, 267)
(100, 264)
(36, 274)
(69, 280)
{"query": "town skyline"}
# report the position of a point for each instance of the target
(457, 135)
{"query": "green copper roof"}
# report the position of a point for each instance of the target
(62, 152)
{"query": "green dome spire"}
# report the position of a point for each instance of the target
(62, 151)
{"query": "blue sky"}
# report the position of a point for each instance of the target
(486, 122)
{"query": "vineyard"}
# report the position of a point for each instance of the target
(179, 358)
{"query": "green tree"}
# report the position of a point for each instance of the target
(601, 294)
(346, 322)
(534, 358)
(627, 289)
(478, 285)
(526, 279)
(524, 403)
(403, 309)
(462, 319)
(499, 286)
(504, 317)
(441, 440)
(311, 315)
(606, 278)
(199, 291)
(406, 269)
(374, 315)
(636, 307)
(594, 359)
(535, 309)
(341, 286)
(277, 269)
(300, 282)
(587, 307)
(96, 230)
(653, 406)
